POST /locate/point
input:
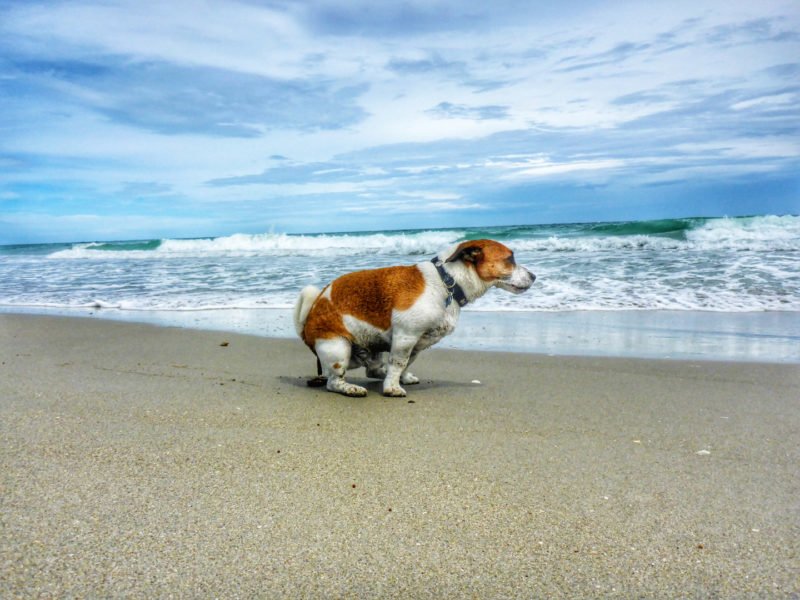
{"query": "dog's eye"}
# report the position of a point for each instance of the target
(510, 260)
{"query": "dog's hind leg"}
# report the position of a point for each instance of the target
(334, 356)
(376, 365)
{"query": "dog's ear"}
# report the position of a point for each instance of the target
(469, 254)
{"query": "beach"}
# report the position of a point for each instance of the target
(146, 461)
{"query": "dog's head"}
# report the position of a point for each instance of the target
(494, 264)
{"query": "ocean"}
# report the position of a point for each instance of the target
(678, 272)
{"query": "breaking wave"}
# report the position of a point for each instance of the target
(720, 264)
(765, 233)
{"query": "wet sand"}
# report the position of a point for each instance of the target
(149, 461)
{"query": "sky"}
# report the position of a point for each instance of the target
(137, 119)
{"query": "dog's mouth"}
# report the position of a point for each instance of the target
(514, 289)
(515, 286)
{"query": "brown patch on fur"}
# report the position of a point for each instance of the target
(370, 296)
(492, 259)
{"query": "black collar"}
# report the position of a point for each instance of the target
(454, 290)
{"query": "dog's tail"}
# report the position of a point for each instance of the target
(303, 306)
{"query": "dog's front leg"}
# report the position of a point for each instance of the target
(407, 377)
(402, 347)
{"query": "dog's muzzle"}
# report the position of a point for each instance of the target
(519, 281)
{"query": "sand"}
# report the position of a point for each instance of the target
(152, 462)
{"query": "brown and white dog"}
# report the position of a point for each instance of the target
(403, 310)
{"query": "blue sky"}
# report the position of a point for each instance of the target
(139, 119)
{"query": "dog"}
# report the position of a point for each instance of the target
(360, 317)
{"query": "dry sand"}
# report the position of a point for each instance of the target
(150, 462)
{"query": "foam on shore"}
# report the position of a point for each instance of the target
(695, 335)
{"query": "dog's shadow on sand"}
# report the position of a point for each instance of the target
(375, 386)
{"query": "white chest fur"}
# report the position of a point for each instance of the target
(441, 329)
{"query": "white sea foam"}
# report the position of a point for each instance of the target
(766, 233)
(738, 264)
(754, 233)
(596, 244)
(276, 244)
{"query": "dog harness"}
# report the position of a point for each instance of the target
(454, 290)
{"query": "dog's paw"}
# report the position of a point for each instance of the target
(348, 389)
(394, 392)
(408, 378)
(355, 391)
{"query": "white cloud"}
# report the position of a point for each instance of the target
(541, 165)
(431, 195)
(433, 104)
(550, 168)
(397, 206)
(770, 100)
(230, 35)
(767, 147)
